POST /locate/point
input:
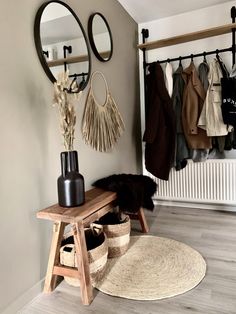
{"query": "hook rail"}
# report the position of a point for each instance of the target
(191, 56)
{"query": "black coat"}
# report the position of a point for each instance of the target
(160, 132)
(133, 191)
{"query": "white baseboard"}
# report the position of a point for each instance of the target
(222, 207)
(24, 299)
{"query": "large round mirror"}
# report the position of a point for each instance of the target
(100, 37)
(61, 42)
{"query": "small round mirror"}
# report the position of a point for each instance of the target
(61, 42)
(100, 37)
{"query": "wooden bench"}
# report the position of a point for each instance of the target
(97, 203)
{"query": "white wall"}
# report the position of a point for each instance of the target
(31, 142)
(185, 23)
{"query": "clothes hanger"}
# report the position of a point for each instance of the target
(73, 88)
(180, 61)
(83, 81)
(222, 65)
(191, 57)
(204, 57)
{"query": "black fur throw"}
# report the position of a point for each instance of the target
(133, 191)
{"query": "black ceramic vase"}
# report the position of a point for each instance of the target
(70, 184)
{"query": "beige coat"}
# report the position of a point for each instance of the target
(211, 118)
(193, 99)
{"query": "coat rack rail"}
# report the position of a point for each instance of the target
(75, 75)
(210, 32)
(191, 56)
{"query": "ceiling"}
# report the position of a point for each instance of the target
(149, 10)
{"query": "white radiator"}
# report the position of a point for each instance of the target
(212, 181)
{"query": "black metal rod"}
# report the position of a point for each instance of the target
(233, 15)
(191, 56)
(145, 34)
(65, 49)
(79, 74)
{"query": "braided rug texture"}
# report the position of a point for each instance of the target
(153, 268)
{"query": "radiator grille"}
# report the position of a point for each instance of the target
(211, 181)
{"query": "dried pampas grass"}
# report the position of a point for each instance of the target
(65, 93)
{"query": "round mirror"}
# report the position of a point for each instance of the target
(61, 42)
(100, 37)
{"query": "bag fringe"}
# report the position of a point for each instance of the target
(101, 125)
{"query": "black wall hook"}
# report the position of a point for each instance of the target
(65, 49)
(233, 13)
(145, 32)
(46, 53)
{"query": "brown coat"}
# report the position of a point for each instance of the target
(193, 99)
(160, 125)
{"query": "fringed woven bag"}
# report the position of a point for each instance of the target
(102, 125)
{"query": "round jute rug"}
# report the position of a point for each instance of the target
(153, 268)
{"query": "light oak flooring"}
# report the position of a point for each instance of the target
(212, 233)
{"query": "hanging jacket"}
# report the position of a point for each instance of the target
(223, 68)
(182, 151)
(193, 99)
(228, 106)
(160, 129)
(203, 71)
(169, 78)
(200, 155)
(230, 141)
(211, 116)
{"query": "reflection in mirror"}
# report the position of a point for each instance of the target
(61, 42)
(100, 37)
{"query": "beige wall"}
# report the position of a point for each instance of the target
(30, 140)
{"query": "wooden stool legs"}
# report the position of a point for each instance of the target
(51, 279)
(142, 219)
(55, 270)
(86, 288)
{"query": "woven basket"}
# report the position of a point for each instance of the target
(118, 234)
(97, 256)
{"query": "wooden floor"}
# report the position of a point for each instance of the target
(212, 233)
